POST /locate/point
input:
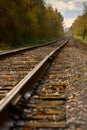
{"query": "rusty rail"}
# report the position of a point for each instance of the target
(27, 83)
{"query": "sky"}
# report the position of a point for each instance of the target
(70, 9)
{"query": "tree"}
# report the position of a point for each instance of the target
(22, 21)
(79, 26)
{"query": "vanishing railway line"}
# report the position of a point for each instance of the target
(16, 67)
(38, 107)
(47, 94)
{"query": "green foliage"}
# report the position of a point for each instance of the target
(79, 27)
(22, 21)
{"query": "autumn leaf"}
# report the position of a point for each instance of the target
(10, 78)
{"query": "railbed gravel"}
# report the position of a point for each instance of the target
(72, 71)
(74, 65)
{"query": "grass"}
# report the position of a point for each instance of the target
(79, 37)
(83, 69)
(79, 79)
(4, 46)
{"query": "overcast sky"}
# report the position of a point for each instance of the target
(70, 9)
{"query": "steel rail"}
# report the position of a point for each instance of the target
(28, 82)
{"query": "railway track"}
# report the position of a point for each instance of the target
(37, 107)
(15, 65)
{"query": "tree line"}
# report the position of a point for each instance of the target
(79, 27)
(24, 21)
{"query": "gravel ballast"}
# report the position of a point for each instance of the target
(72, 63)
